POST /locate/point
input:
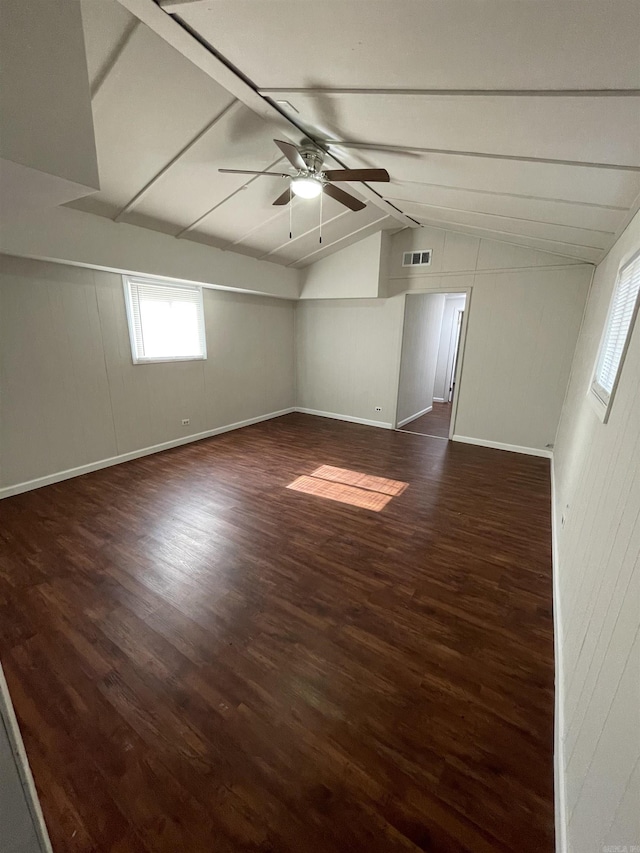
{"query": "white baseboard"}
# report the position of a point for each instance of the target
(415, 417)
(498, 445)
(559, 786)
(349, 418)
(439, 400)
(27, 486)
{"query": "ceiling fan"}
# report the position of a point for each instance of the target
(310, 180)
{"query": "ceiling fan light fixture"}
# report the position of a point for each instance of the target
(306, 187)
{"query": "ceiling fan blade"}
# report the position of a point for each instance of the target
(347, 199)
(357, 175)
(291, 153)
(285, 198)
(252, 172)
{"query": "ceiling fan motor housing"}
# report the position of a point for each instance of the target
(313, 158)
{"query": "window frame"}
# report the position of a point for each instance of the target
(597, 394)
(127, 281)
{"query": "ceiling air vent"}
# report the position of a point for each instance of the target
(421, 258)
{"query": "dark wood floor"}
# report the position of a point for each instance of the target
(436, 422)
(204, 660)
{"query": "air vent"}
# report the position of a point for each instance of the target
(421, 258)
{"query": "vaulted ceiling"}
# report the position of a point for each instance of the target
(518, 121)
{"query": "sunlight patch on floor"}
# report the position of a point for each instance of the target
(350, 487)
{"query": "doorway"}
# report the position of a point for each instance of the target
(431, 345)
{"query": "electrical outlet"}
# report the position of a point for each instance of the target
(378, 408)
(186, 421)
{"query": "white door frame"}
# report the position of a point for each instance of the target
(457, 378)
(463, 339)
(452, 358)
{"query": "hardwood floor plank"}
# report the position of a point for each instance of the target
(436, 422)
(204, 660)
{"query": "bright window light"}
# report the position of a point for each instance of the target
(166, 321)
(613, 348)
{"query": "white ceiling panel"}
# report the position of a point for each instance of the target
(426, 44)
(505, 224)
(193, 185)
(552, 212)
(150, 106)
(556, 128)
(305, 249)
(248, 209)
(566, 250)
(607, 187)
(250, 220)
(168, 114)
(106, 24)
(305, 218)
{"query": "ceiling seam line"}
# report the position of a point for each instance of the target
(364, 146)
(444, 227)
(304, 234)
(504, 216)
(339, 240)
(224, 200)
(516, 93)
(113, 59)
(511, 195)
(635, 207)
(455, 273)
(257, 227)
(180, 22)
(145, 189)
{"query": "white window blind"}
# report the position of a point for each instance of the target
(622, 313)
(166, 321)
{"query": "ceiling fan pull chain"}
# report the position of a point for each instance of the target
(290, 212)
(321, 194)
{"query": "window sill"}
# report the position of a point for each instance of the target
(169, 360)
(599, 407)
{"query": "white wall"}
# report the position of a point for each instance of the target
(71, 396)
(522, 331)
(523, 322)
(597, 484)
(73, 237)
(457, 258)
(348, 354)
(423, 315)
(353, 272)
(446, 349)
(96, 404)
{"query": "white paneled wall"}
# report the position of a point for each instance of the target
(523, 322)
(353, 272)
(523, 327)
(71, 395)
(597, 522)
(348, 354)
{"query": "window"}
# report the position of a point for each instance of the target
(166, 321)
(622, 314)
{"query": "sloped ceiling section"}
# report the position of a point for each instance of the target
(164, 127)
(517, 122)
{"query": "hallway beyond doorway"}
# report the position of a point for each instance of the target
(434, 423)
(433, 334)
